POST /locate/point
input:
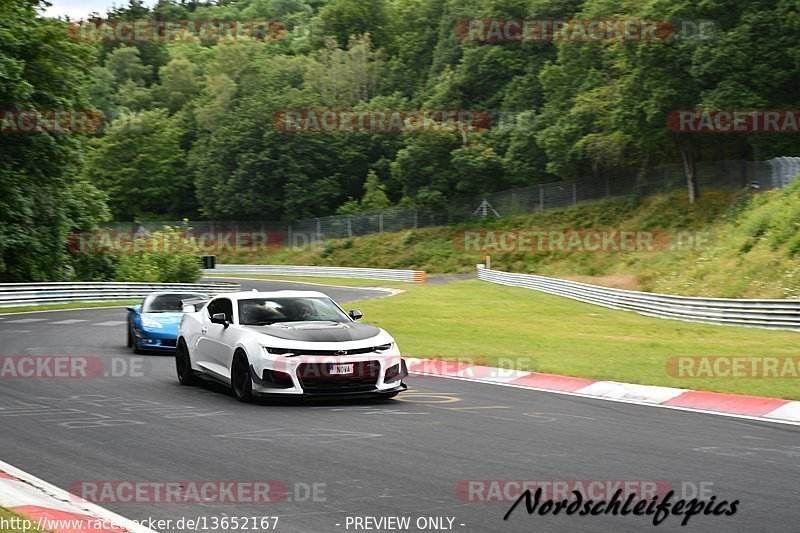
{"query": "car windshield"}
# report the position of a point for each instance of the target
(265, 311)
(167, 303)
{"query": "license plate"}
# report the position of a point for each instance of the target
(335, 370)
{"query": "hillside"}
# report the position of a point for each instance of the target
(749, 246)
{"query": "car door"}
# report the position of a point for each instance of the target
(214, 351)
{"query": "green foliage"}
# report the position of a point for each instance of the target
(775, 222)
(711, 263)
(41, 198)
(190, 131)
(345, 19)
(374, 198)
(140, 164)
(164, 256)
(560, 109)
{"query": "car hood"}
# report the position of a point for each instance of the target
(322, 331)
(165, 319)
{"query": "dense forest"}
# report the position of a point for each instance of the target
(189, 125)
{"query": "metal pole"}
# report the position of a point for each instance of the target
(380, 222)
(574, 192)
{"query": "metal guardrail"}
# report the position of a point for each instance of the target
(317, 271)
(19, 294)
(771, 314)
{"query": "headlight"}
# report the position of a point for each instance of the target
(279, 351)
(150, 323)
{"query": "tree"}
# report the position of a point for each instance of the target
(346, 19)
(345, 77)
(125, 63)
(374, 198)
(140, 163)
(180, 82)
(41, 200)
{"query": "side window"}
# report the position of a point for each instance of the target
(220, 305)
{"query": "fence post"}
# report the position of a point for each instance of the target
(415, 219)
(349, 226)
(608, 187)
(319, 231)
(380, 222)
(289, 235)
(574, 192)
(541, 197)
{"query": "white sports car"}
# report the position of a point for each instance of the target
(289, 343)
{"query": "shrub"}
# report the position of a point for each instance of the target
(164, 256)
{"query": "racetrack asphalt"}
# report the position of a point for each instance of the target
(401, 457)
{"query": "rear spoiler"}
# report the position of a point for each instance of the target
(192, 305)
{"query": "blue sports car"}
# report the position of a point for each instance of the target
(153, 324)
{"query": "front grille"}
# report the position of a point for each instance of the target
(315, 377)
(169, 342)
(328, 353)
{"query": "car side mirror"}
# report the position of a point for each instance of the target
(355, 314)
(220, 318)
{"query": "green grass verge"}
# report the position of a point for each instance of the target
(76, 305)
(491, 324)
(8, 517)
(750, 246)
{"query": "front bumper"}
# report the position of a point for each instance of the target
(375, 393)
(151, 340)
(309, 376)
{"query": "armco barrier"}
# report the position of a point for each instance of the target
(317, 271)
(19, 294)
(771, 314)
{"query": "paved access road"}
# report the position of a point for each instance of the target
(342, 461)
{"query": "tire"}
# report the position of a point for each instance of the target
(183, 365)
(241, 382)
(130, 336)
(136, 348)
